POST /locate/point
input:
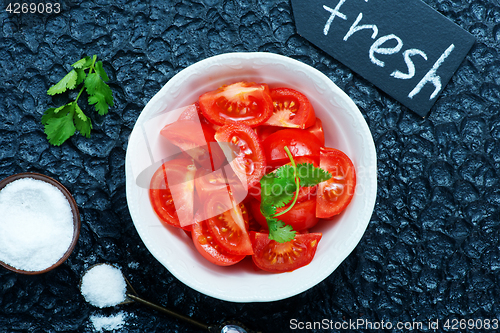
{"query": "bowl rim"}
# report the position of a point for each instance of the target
(219, 61)
(74, 210)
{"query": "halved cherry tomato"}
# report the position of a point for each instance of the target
(193, 113)
(302, 216)
(229, 227)
(246, 102)
(275, 257)
(291, 109)
(197, 140)
(181, 172)
(317, 130)
(244, 151)
(300, 143)
(336, 193)
(208, 247)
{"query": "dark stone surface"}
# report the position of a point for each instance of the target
(431, 251)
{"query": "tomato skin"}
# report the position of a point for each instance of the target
(291, 109)
(160, 194)
(301, 217)
(336, 193)
(275, 257)
(228, 228)
(300, 143)
(317, 131)
(197, 140)
(206, 245)
(249, 164)
(193, 113)
(246, 102)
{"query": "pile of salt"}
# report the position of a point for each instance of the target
(103, 286)
(36, 224)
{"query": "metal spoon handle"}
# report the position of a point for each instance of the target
(169, 312)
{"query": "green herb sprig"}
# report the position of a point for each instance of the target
(62, 122)
(277, 190)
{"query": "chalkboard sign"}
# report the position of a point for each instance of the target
(404, 47)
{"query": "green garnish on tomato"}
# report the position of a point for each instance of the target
(278, 190)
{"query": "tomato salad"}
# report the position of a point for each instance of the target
(267, 144)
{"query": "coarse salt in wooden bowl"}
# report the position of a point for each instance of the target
(39, 224)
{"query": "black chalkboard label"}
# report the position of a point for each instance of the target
(404, 47)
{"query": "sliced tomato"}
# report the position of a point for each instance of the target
(275, 257)
(228, 228)
(291, 108)
(300, 143)
(208, 247)
(197, 140)
(317, 130)
(336, 193)
(193, 113)
(302, 216)
(244, 151)
(264, 131)
(209, 183)
(246, 102)
(181, 172)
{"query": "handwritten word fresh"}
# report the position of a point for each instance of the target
(405, 48)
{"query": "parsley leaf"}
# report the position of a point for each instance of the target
(279, 231)
(277, 191)
(310, 175)
(60, 127)
(99, 93)
(62, 122)
(280, 187)
(67, 82)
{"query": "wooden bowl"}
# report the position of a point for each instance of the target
(74, 210)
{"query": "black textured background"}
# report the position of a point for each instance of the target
(431, 250)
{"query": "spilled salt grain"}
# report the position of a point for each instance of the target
(103, 323)
(103, 286)
(36, 224)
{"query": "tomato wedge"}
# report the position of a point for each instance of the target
(336, 193)
(197, 140)
(302, 216)
(206, 245)
(246, 102)
(275, 257)
(193, 113)
(182, 172)
(244, 151)
(300, 143)
(228, 228)
(317, 130)
(291, 108)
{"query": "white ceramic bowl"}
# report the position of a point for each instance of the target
(345, 129)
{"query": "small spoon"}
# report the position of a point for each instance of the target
(228, 326)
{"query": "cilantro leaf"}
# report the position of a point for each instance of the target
(82, 122)
(279, 231)
(267, 209)
(67, 82)
(81, 75)
(286, 171)
(62, 122)
(100, 94)
(59, 124)
(277, 191)
(309, 175)
(84, 63)
(100, 70)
